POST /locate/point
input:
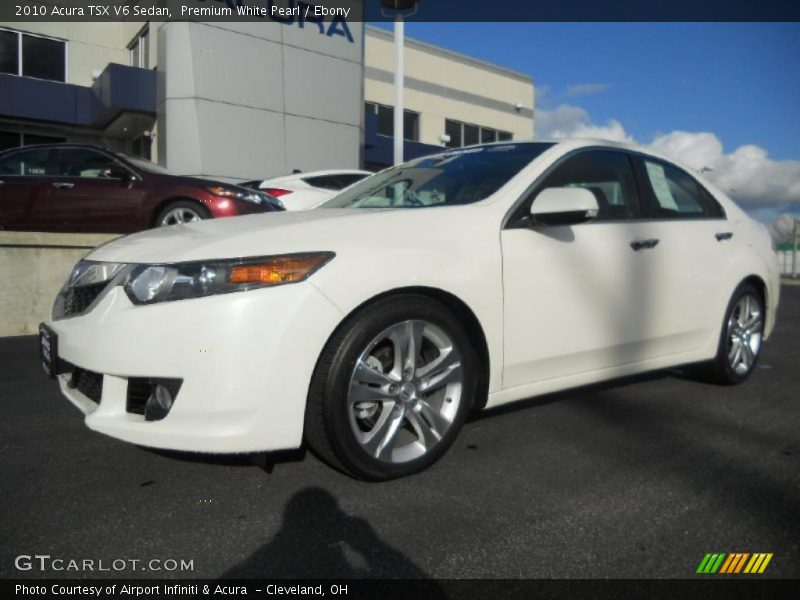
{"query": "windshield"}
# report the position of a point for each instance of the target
(461, 176)
(144, 164)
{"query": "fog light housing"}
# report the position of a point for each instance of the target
(158, 404)
(152, 398)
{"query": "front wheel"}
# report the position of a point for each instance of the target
(741, 338)
(182, 211)
(391, 389)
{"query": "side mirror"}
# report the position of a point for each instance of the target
(563, 206)
(114, 171)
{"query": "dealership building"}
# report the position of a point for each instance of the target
(245, 100)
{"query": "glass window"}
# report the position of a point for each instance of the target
(325, 182)
(504, 136)
(410, 125)
(471, 135)
(9, 140)
(607, 174)
(145, 165)
(139, 50)
(488, 135)
(85, 163)
(31, 163)
(143, 146)
(451, 178)
(43, 58)
(453, 129)
(385, 120)
(30, 139)
(369, 109)
(9, 52)
(675, 194)
(345, 180)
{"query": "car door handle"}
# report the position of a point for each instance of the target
(63, 185)
(723, 235)
(639, 244)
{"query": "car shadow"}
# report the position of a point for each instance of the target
(318, 539)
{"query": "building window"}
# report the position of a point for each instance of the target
(143, 146)
(13, 139)
(453, 130)
(139, 49)
(385, 115)
(9, 139)
(32, 56)
(466, 134)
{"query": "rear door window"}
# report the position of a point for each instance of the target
(29, 163)
(674, 194)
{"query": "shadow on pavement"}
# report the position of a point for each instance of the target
(318, 539)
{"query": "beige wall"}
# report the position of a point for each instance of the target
(39, 264)
(493, 91)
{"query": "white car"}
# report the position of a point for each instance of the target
(371, 326)
(301, 191)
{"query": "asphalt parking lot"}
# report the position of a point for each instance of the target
(639, 478)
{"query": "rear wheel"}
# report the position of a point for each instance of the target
(182, 211)
(391, 389)
(741, 338)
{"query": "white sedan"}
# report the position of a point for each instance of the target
(370, 327)
(301, 191)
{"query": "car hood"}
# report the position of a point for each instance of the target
(337, 230)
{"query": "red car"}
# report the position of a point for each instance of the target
(81, 188)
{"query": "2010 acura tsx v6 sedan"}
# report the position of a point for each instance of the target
(369, 327)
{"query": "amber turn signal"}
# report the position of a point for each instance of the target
(280, 269)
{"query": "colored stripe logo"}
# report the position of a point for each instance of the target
(729, 563)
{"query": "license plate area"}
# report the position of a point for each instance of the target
(48, 350)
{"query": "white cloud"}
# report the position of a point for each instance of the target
(747, 173)
(584, 89)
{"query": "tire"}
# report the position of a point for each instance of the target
(375, 414)
(181, 211)
(741, 339)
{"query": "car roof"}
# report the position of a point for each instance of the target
(568, 144)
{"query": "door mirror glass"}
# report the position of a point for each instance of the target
(563, 206)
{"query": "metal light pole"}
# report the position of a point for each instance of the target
(795, 236)
(401, 10)
(399, 42)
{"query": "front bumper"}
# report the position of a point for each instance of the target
(245, 360)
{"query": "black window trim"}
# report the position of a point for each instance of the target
(514, 220)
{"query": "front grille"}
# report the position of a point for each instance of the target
(138, 393)
(88, 383)
(78, 299)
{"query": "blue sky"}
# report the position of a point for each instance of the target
(737, 81)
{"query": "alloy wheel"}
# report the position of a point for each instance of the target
(745, 329)
(405, 391)
(180, 215)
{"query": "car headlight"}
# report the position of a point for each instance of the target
(226, 192)
(148, 284)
